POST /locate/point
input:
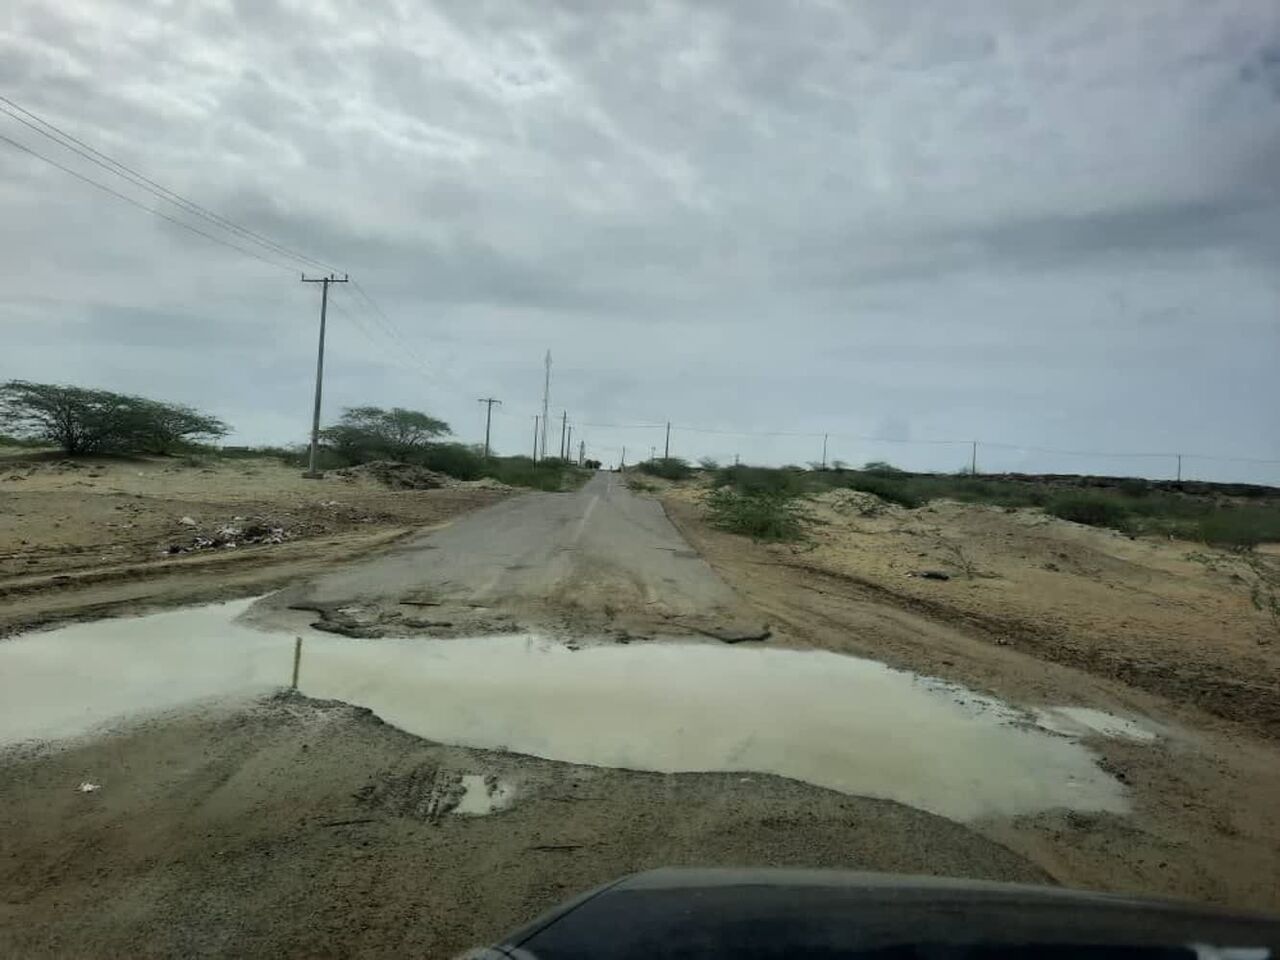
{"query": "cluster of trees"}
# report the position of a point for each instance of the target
(363, 434)
(82, 420)
(372, 433)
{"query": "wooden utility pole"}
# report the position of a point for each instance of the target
(312, 473)
(488, 420)
(546, 400)
(666, 450)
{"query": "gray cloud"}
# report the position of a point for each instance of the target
(1023, 222)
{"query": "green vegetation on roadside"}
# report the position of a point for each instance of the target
(761, 496)
(81, 421)
(761, 515)
(669, 468)
(367, 434)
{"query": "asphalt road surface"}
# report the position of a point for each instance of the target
(597, 559)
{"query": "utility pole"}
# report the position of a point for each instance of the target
(535, 438)
(666, 450)
(546, 401)
(824, 451)
(622, 461)
(568, 443)
(1179, 468)
(582, 451)
(312, 473)
(973, 462)
(735, 460)
(653, 452)
(564, 425)
(488, 420)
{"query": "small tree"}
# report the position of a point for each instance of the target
(80, 420)
(368, 432)
(162, 427)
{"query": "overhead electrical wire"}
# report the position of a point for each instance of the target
(110, 164)
(140, 180)
(142, 206)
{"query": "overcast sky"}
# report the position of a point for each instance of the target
(1033, 223)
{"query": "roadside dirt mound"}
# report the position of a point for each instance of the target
(398, 476)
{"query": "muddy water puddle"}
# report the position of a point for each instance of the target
(840, 722)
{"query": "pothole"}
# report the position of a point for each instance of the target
(852, 725)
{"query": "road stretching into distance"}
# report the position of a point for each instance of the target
(598, 558)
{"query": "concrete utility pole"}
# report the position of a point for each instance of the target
(582, 451)
(666, 450)
(568, 443)
(535, 438)
(564, 425)
(824, 451)
(973, 462)
(488, 420)
(622, 461)
(312, 473)
(546, 402)
(1179, 467)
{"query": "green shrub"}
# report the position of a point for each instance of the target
(34, 443)
(669, 468)
(455, 459)
(551, 474)
(1241, 526)
(744, 479)
(894, 491)
(1093, 509)
(879, 468)
(761, 515)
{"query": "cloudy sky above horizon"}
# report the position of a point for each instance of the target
(1049, 226)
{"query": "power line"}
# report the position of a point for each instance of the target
(142, 206)
(361, 324)
(385, 321)
(111, 165)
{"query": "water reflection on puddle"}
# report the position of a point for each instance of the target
(482, 795)
(839, 722)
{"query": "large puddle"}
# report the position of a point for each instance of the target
(840, 722)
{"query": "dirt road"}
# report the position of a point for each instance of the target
(110, 536)
(294, 826)
(598, 559)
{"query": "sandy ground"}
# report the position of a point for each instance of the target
(1206, 823)
(91, 537)
(1169, 617)
(294, 827)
